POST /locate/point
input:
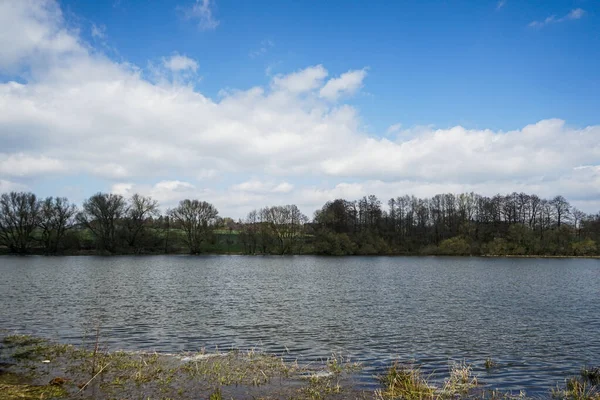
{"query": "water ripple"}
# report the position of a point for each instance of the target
(537, 318)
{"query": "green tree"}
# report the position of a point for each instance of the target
(521, 240)
(334, 244)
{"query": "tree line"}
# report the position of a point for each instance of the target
(463, 224)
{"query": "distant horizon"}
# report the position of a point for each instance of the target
(271, 103)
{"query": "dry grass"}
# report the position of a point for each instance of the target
(239, 368)
(584, 387)
(405, 382)
(460, 381)
(82, 371)
(234, 374)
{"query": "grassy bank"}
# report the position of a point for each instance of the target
(33, 368)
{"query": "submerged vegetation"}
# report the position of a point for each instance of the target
(516, 224)
(489, 363)
(586, 386)
(33, 368)
(36, 368)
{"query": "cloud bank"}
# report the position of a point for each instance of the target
(70, 111)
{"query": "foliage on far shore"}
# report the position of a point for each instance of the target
(516, 224)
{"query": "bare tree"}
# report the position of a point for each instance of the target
(101, 214)
(250, 231)
(197, 219)
(19, 216)
(139, 211)
(534, 206)
(286, 223)
(561, 207)
(163, 224)
(56, 217)
(546, 215)
(578, 217)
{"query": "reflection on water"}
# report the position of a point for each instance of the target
(538, 318)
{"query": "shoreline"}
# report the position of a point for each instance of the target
(89, 254)
(32, 367)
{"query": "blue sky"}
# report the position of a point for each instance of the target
(430, 62)
(254, 103)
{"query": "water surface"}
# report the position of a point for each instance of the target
(539, 319)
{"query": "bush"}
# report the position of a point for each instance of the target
(586, 247)
(455, 246)
(497, 247)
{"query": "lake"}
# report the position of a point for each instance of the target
(539, 319)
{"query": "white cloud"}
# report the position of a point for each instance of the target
(258, 186)
(500, 4)
(206, 173)
(177, 70)
(33, 33)
(347, 83)
(572, 15)
(202, 12)
(301, 81)
(124, 189)
(77, 111)
(458, 154)
(173, 186)
(283, 187)
(575, 14)
(178, 63)
(168, 193)
(253, 185)
(110, 171)
(98, 31)
(22, 165)
(8, 186)
(538, 24)
(393, 129)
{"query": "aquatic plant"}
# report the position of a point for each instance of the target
(42, 369)
(591, 374)
(577, 388)
(489, 363)
(461, 379)
(405, 382)
(337, 364)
